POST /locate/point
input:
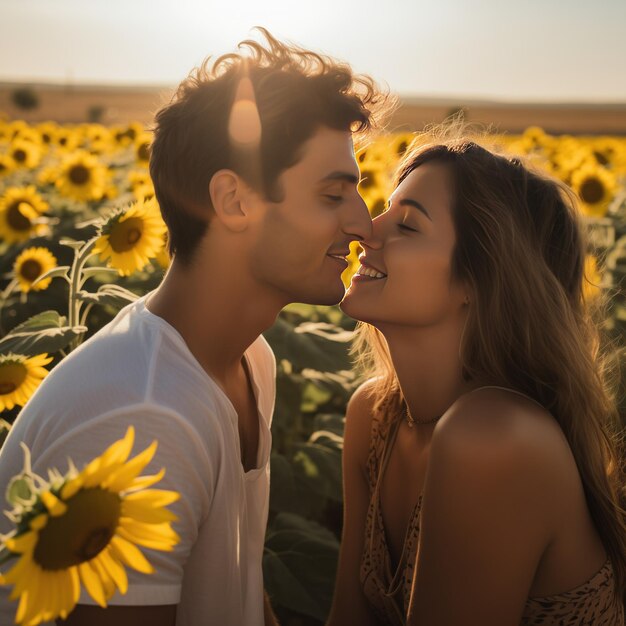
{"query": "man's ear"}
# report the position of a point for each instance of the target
(226, 190)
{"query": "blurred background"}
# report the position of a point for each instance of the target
(507, 64)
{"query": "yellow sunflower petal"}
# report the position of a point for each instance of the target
(122, 477)
(115, 570)
(92, 583)
(130, 554)
(55, 506)
(71, 487)
(39, 522)
(146, 481)
(155, 536)
(146, 513)
(153, 497)
(22, 543)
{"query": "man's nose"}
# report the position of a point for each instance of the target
(357, 220)
(376, 238)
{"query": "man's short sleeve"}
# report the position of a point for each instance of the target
(189, 461)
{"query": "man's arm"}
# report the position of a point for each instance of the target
(164, 615)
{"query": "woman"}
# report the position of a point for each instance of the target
(482, 483)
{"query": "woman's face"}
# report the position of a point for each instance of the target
(405, 273)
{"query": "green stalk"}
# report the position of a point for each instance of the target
(74, 304)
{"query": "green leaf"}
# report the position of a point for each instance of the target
(326, 330)
(299, 565)
(57, 272)
(88, 272)
(71, 243)
(109, 295)
(44, 332)
(320, 346)
(318, 468)
(5, 427)
(21, 491)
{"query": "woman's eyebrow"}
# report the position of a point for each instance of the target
(416, 205)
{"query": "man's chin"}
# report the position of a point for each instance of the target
(328, 298)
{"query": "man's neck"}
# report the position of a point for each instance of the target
(219, 314)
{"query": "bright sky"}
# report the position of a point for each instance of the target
(564, 50)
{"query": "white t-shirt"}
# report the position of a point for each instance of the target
(138, 370)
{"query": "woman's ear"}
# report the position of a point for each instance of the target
(226, 191)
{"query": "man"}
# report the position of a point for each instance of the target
(254, 170)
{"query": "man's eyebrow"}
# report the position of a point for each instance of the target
(416, 205)
(341, 176)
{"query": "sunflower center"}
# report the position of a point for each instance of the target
(31, 269)
(12, 375)
(19, 155)
(600, 157)
(592, 190)
(16, 219)
(78, 174)
(367, 179)
(126, 234)
(81, 533)
(143, 151)
(378, 207)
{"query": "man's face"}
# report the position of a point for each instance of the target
(302, 241)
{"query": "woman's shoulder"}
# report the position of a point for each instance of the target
(487, 415)
(492, 431)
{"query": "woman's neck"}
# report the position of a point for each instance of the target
(428, 366)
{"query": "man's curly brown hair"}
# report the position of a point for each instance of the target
(296, 92)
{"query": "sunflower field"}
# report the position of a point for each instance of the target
(81, 236)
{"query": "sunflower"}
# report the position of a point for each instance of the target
(595, 187)
(20, 210)
(139, 178)
(126, 135)
(32, 263)
(47, 132)
(7, 164)
(131, 238)
(353, 260)
(25, 153)
(82, 177)
(142, 147)
(592, 278)
(19, 377)
(83, 528)
(163, 258)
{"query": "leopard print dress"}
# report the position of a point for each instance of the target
(593, 603)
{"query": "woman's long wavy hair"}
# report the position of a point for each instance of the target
(521, 249)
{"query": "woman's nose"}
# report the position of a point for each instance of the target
(377, 234)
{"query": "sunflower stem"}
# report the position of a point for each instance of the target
(80, 258)
(4, 294)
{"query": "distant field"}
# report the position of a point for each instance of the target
(74, 104)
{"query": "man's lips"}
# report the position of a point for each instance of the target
(339, 256)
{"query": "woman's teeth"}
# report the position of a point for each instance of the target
(368, 271)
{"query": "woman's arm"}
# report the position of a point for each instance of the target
(486, 519)
(349, 604)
